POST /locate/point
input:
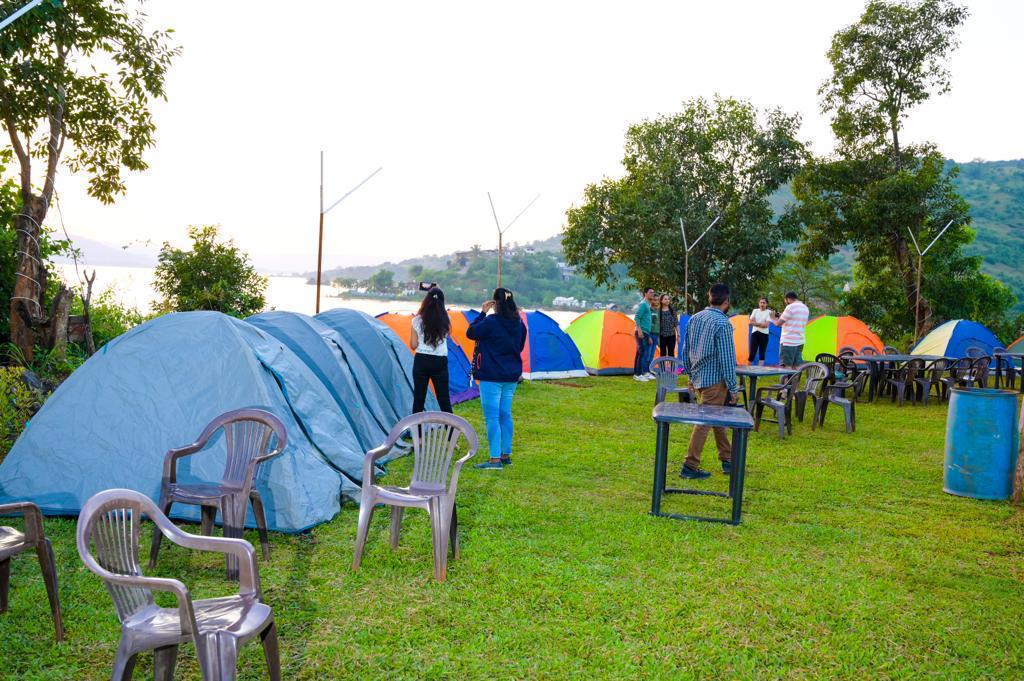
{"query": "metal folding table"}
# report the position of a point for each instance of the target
(753, 372)
(735, 418)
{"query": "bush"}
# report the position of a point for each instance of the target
(109, 318)
(18, 403)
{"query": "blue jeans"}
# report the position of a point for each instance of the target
(496, 402)
(645, 347)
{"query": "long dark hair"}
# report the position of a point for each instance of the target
(671, 308)
(434, 317)
(505, 304)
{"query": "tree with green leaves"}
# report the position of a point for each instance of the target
(383, 281)
(77, 80)
(879, 194)
(213, 275)
(817, 284)
(714, 158)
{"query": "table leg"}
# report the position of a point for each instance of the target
(660, 464)
(739, 471)
(751, 391)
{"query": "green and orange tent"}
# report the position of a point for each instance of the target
(1017, 345)
(605, 341)
(829, 334)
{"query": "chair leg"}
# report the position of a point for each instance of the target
(48, 565)
(780, 416)
(261, 523)
(758, 410)
(455, 531)
(850, 415)
(271, 652)
(158, 536)
(124, 662)
(164, 661)
(5, 582)
(232, 513)
(801, 405)
(365, 516)
(821, 414)
(396, 524)
(439, 539)
(207, 517)
(227, 654)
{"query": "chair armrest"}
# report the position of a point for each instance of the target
(453, 483)
(371, 457)
(33, 519)
(248, 573)
(172, 456)
(777, 388)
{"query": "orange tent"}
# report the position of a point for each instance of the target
(458, 331)
(828, 334)
(401, 324)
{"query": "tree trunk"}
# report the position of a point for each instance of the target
(909, 276)
(30, 325)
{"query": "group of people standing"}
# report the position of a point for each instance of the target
(657, 329)
(500, 336)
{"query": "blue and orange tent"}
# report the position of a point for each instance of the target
(549, 352)
(461, 386)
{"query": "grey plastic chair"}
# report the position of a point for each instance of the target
(816, 375)
(110, 523)
(435, 437)
(837, 395)
(778, 398)
(248, 439)
(666, 373)
(13, 542)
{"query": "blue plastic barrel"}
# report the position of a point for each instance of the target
(981, 443)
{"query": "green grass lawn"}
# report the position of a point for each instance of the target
(850, 563)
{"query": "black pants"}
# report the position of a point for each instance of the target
(427, 368)
(667, 346)
(758, 344)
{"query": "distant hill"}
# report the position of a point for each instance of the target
(103, 254)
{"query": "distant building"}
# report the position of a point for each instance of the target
(563, 301)
(567, 271)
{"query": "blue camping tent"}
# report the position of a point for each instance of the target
(383, 351)
(953, 338)
(549, 351)
(461, 386)
(347, 378)
(156, 387)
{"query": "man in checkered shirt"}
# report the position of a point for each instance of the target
(712, 369)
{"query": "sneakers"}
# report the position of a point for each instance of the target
(492, 465)
(693, 473)
(727, 467)
(649, 376)
(640, 379)
(506, 460)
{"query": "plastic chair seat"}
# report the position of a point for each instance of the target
(414, 495)
(11, 542)
(240, 616)
(201, 493)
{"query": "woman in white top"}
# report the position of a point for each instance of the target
(760, 319)
(429, 337)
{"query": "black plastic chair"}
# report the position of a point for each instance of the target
(847, 350)
(869, 350)
(829, 361)
(957, 375)
(666, 374)
(813, 390)
(844, 394)
(978, 375)
(975, 352)
(14, 542)
(903, 381)
(931, 377)
(779, 398)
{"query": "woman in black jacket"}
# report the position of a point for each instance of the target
(498, 365)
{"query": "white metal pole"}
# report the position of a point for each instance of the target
(14, 17)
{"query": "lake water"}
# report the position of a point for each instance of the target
(132, 286)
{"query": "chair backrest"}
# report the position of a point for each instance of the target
(666, 372)
(974, 352)
(436, 436)
(110, 523)
(868, 350)
(914, 368)
(937, 368)
(251, 436)
(980, 365)
(815, 373)
(961, 367)
(847, 350)
(890, 350)
(829, 360)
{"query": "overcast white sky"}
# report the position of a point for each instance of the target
(455, 99)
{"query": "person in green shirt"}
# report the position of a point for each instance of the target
(645, 343)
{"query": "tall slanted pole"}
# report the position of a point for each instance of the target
(320, 242)
(920, 266)
(500, 234)
(686, 270)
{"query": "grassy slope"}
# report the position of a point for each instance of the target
(851, 563)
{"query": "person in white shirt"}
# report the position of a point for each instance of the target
(429, 339)
(760, 318)
(793, 321)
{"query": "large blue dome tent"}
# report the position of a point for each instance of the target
(954, 337)
(156, 387)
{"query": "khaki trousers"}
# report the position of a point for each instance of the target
(718, 395)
